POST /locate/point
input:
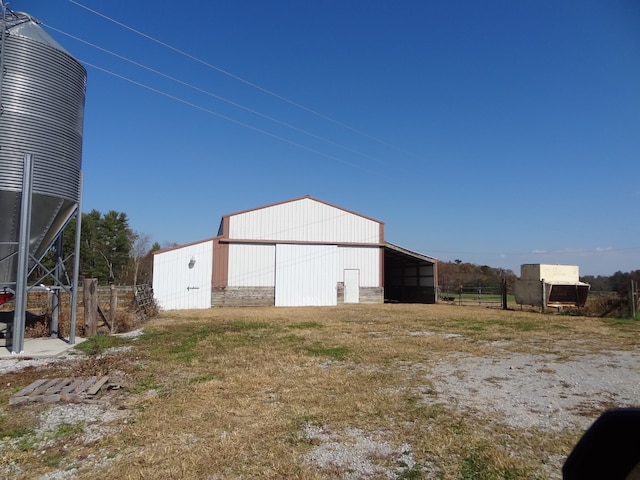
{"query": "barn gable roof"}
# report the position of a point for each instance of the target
(304, 218)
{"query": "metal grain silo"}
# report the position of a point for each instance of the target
(42, 94)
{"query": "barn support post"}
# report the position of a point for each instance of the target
(543, 289)
(90, 296)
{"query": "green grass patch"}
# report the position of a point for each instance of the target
(185, 344)
(503, 325)
(154, 336)
(294, 340)
(320, 350)
(27, 443)
(305, 326)
(183, 349)
(99, 343)
(207, 377)
(147, 383)
(53, 458)
(6, 434)
(242, 326)
(68, 430)
(480, 464)
(624, 324)
(413, 473)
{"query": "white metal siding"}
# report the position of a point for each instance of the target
(550, 273)
(251, 265)
(304, 220)
(365, 259)
(306, 275)
(179, 285)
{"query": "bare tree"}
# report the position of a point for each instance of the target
(140, 248)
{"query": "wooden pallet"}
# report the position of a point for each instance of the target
(60, 390)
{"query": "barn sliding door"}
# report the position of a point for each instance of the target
(306, 275)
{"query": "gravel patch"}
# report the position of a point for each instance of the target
(95, 418)
(8, 365)
(527, 390)
(132, 334)
(517, 389)
(357, 454)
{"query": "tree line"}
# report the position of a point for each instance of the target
(110, 250)
(457, 274)
(619, 282)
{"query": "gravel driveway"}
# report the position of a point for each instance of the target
(528, 390)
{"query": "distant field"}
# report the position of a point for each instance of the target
(362, 391)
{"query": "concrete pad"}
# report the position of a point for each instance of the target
(44, 347)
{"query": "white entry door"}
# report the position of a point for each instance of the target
(352, 286)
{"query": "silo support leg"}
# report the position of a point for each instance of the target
(19, 315)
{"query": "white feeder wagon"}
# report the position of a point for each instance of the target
(545, 286)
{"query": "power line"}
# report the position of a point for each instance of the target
(575, 251)
(213, 95)
(219, 115)
(246, 82)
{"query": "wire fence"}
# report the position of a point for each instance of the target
(600, 303)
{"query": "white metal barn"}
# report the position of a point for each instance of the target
(300, 252)
(179, 280)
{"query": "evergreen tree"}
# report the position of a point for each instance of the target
(105, 245)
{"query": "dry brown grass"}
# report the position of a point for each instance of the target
(226, 393)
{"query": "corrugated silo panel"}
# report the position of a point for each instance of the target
(365, 259)
(306, 275)
(42, 94)
(251, 265)
(182, 277)
(304, 220)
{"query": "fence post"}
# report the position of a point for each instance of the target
(503, 287)
(90, 299)
(113, 307)
(633, 299)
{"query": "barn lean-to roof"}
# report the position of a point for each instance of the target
(409, 253)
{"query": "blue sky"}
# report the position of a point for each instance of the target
(494, 132)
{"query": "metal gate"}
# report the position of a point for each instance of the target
(495, 297)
